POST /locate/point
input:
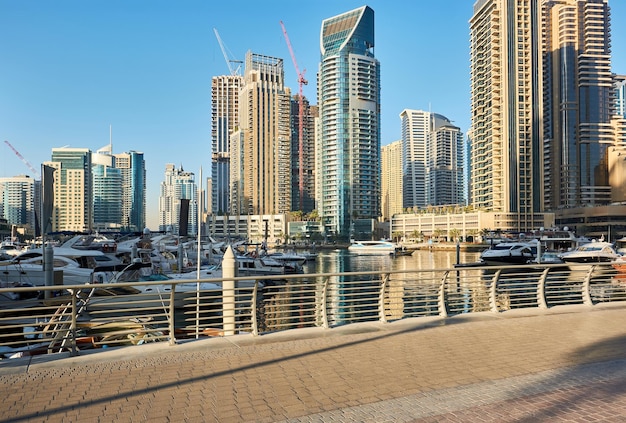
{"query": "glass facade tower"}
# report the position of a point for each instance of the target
(578, 99)
(348, 148)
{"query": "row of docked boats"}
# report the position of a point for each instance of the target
(556, 248)
(97, 259)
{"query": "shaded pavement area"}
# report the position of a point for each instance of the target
(563, 364)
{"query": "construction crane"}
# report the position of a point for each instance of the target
(229, 62)
(26, 162)
(301, 82)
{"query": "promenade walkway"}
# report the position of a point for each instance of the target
(562, 364)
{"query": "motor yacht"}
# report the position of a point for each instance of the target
(505, 253)
(372, 247)
(591, 253)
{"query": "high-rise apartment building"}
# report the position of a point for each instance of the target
(391, 180)
(132, 168)
(303, 182)
(260, 156)
(349, 130)
(17, 200)
(179, 195)
(432, 160)
(620, 95)
(506, 104)
(73, 194)
(415, 129)
(445, 163)
(107, 190)
(224, 121)
(578, 106)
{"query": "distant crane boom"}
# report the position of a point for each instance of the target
(26, 162)
(233, 70)
(301, 82)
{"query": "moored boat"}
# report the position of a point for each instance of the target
(372, 247)
(505, 253)
(591, 253)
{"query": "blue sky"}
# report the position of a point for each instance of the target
(71, 69)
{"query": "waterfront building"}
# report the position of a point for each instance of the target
(255, 228)
(107, 190)
(454, 225)
(178, 202)
(72, 189)
(506, 103)
(415, 127)
(578, 108)
(445, 162)
(303, 156)
(18, 201)
(260, 156)
(132, 168)
(432, 160)
(391, 180)
(348, 148)
(224, 121)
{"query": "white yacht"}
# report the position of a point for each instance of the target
(591, 253)
(75, 266)
(372, 247)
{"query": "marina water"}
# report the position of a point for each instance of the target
(339, 261)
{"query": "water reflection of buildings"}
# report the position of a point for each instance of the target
(353, 298)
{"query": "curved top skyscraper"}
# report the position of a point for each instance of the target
(348, 162)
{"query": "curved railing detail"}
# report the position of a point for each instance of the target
(71, 318)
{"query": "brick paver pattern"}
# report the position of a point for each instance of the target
(564, 364)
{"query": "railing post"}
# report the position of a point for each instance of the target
(170, 311)
(255, 322)
(324, 302)
(228, 292)
(493, 292)
(586, 288)
(74, 294)
(443, 307)
(541, 289)
(381, 298)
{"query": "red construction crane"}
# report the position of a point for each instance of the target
(301, 82)
(26, 162)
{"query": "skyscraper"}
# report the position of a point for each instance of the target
(578, 89)
(349, 104)
(445, 163)
(260, 157)
(415, 130)
(303, 192)
(391, 179)
(132, 168)
(506, 100)
(107, 190)
(73, 194)
(432, 160)
(17, 200)
(178, 190)
(224, 121)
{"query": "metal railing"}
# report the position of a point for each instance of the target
(36, 320)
